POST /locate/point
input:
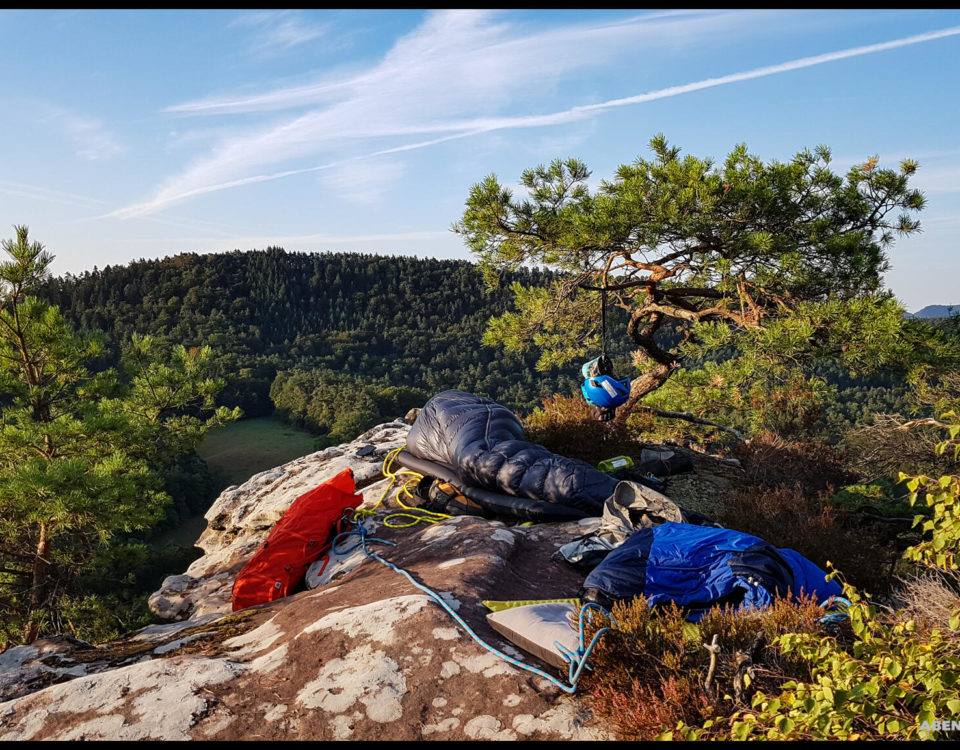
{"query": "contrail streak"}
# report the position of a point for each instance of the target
(473, 127)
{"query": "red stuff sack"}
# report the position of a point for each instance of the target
(298, 538)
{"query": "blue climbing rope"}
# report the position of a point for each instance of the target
(577, 660)
(834, 618)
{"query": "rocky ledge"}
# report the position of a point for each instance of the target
(366, 657)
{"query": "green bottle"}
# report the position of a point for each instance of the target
(617, 462)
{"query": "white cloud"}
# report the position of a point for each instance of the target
(448, 79)
(47, 195)
(275, 32)
(469, 59)
(92, 139)
(362, 182)
(166, 197)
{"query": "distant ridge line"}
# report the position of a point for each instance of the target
(936, 311)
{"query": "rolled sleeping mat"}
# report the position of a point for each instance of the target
(522, 507)
(495, 502)
(429, 468)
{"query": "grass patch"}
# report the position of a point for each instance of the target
(237, 451)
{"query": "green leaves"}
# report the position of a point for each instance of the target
(788, 257)
(895, 677)
(28, 266)
(79, 449)
(561, 325)
(339, 404)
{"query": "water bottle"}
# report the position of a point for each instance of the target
(617, 462)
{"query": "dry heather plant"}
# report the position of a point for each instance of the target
(566, 425)
(655, 669)
(929, 598)
(864, 549)
(771, 461)
(891, 445)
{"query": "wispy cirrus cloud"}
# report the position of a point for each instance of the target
(88, 203)
(363, 182)
(92, 139)
(35, 192)
(276, 32)
(470, 59)
(439, 83)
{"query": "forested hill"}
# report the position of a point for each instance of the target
(935, 311)
(409, 321)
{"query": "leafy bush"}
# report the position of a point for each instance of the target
(340, 405)
(942, 547)
(884, 497)
(99, 618)
(885, 685)
(109, 597)
(899, 675)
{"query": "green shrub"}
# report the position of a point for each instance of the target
(883, 497)
(884, 685)
(99, 618)
(899, 674)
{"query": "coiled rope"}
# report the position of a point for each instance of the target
(576, 660)
(408, 479)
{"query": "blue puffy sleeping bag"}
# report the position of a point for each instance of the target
(699, 567)
(481, 444)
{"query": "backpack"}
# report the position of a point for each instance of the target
(302, 534)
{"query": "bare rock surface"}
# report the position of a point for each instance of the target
(368, 656)
(705, 487)
(240, 519)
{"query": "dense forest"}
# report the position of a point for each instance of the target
(366, 334)
(397, 320)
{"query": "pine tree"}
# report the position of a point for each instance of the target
(77, 446)
(724, 276)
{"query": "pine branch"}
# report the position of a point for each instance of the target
(686, 416)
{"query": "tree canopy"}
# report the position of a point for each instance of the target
(745, 264)
(80, 445)
(414, 322)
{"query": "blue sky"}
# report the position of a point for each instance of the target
(139, 134)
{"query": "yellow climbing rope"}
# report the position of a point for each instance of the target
(408, 479)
